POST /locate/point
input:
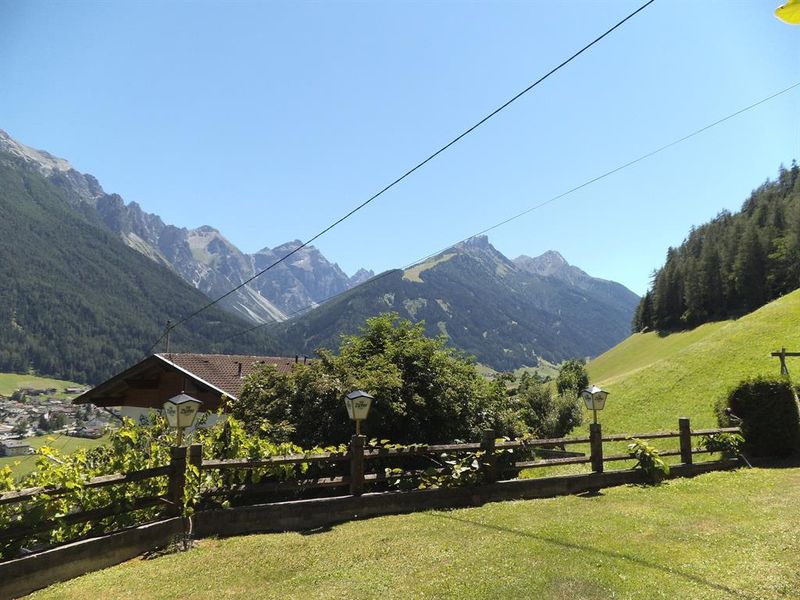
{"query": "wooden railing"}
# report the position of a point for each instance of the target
(353, 470)
(35, 494)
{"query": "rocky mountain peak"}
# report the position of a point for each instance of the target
(480, 242)
(44, 162)
(480, 249)
(361, 276)
(547, 264)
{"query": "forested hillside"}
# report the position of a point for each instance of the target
(731, 265)
(77, 303)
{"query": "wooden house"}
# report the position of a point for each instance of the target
(208, 377)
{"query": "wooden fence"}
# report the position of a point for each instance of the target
(341, 479)
(355, 472)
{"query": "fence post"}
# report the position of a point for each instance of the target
(596, 445)
(177, 479)
(685, 430)
(195, 456)
(357, 465)
(489, 458)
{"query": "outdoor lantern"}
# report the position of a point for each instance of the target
(595, 399)
(181, 411)
(358, 404)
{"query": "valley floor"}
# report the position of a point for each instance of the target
(721, 535)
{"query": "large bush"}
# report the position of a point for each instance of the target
(424, 390)
(769, 415)
(546, 415)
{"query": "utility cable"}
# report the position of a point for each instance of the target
(572, 190)
(413, 169)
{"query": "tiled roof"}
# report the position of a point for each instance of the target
(14, 444)
(222, 370)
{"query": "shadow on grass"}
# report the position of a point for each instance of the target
(317, 530)
(591, 494)
(615, 555)
(790, 462)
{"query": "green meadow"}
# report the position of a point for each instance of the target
(654, 379)
(10, 382)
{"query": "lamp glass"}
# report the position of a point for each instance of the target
(358, 404)
(171, 412)
(594, 397)
(181, 410)
(588, 399)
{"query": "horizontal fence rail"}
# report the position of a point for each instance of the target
(95, 482)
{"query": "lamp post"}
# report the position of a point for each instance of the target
(181, 411)
(358, 404)
(595, 399)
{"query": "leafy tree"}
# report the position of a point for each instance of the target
(572, 377)
(424, 391)
(44, 423)
(546, 415)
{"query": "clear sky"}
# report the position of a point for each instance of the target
(269, 120)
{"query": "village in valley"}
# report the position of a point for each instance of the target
(29, 412)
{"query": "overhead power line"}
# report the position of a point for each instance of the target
(411, 170)
(572, 190)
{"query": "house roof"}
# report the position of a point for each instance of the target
(158, 377)
(221, 371)
(14, 444)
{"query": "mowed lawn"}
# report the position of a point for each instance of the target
(720, 535)
(22, 465)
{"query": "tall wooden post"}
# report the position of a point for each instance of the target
(784, 368)
(596, 446)
(489, 462)
(177, 479)
(685, 429)
(357, 465)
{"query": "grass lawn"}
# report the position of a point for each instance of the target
(22, 465)
(721, 535)
(10, 382)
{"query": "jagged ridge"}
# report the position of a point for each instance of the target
(202, 256)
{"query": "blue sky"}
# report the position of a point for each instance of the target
(270, 120)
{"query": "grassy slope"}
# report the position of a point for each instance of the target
(10, 382)
(654, 380)
(722, 535)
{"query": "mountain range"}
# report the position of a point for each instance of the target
(203, 256)
(79, 304)
(507, 313)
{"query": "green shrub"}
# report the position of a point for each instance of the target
(728, 444)
(648, 460)
(769, 415)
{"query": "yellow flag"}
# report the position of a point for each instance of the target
(789, 12)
